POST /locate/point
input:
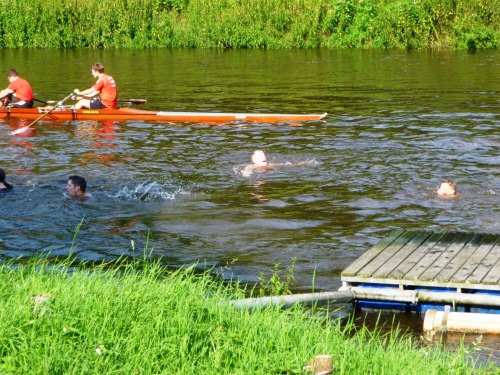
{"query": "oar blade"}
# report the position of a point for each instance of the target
(24, 129)
(59, 104)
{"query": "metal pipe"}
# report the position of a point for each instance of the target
(373, 294)
(417, 296)
(288, 301)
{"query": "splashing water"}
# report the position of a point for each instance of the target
(161, 189)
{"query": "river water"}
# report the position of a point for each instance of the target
(398, 123)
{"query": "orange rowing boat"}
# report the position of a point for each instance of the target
(127, 114)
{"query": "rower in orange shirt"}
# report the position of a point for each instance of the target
(19, 92)
(105, 86)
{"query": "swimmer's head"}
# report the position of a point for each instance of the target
(2, 175)
(259, 158)
(448, 188)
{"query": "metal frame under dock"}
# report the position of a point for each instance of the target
(418, 270)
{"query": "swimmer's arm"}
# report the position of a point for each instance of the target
(303, 162)
(247, 171)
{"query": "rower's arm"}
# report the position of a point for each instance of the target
(5, 92)
(89, 92)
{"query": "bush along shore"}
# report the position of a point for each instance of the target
(269, 24)
(139, 318)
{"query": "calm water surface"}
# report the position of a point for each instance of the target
(398, 123)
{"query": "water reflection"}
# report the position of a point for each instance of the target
(101, 134)
(258, 193)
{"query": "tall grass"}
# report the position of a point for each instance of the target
(137, 318)
(271, 24)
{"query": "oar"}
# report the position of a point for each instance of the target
(43, 101)
(129, 101)
(132, 101)
(25, 128)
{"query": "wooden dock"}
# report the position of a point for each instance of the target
(462, 265)
(415, 271)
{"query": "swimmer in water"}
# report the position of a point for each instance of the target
(4, 185)
(77, 187)
(448, 189)
(260, 164)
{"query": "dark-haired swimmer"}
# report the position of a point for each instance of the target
(77, 187)
(4, 185)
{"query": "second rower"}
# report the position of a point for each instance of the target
(105, 86)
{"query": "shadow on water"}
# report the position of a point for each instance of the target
(398, 123)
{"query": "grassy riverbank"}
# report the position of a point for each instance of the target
(271, 24)
(140, 319)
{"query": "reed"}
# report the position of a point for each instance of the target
(137, 317)
(270, 24)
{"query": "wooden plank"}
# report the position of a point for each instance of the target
(460, 260)
(400, 257)
(490, 258)
(384, 256)
(366, 258)
(445, 258)
(430, 257)
(417, 256)
(475, 262)
(493, 275)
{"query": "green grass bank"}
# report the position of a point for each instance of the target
(269, 24)
(140, 319)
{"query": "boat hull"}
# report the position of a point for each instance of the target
(127, 114)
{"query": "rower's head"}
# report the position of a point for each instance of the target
(12, 75)
(259, 158)
(98, 67)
